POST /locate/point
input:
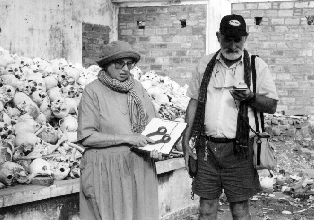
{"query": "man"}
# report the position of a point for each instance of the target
(218, 118)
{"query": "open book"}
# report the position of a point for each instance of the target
(172, 129)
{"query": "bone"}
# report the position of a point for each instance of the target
(81, 149)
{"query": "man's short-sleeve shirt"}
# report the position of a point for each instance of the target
(221, 109)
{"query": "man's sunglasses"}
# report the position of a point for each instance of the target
(120, 64)
(234, 39)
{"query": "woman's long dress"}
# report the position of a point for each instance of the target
(116, 184)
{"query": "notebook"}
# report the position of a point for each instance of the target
(174, 130)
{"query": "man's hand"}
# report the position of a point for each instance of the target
(242, 94)
(188, 152)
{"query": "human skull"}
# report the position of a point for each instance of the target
(49, 134)
(6, 151)
(5, 130)
(60, 108)
(70, 91)
(29, 108)
(60, 170)
(38, 97)
(26, 127)
(54, 93)
(18, 172)
(26, 141)
(12, 111)
(12, 68)
(9, 80)
(63, 79)
(51, 81)
(38, 84)
(47, 71)
(81, 82)
(75, 172)
(39, 167)
(7, 93)
(68, 123)
(24, 86)
(6, 176)
(45, 108)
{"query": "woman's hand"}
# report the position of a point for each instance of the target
(138, 140)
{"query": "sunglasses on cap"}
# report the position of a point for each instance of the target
(119, 64)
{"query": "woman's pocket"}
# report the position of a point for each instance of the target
(87, 180)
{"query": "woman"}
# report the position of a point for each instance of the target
(116, 183)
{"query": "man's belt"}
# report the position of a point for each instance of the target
(220, 140)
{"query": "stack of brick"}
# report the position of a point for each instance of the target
(298, 127)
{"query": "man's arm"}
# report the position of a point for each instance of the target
(261, 103)
(189, 119)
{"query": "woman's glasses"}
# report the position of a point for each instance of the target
(120, 64)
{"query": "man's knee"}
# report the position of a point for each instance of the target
(208, 208)
(240, 210)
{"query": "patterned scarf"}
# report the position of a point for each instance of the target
(135, 106)
(242, 132)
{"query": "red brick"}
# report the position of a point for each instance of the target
(271, 13)
(251, 5)
(301, 4)
(285, 13)
(257, 13)
(267, 5)
(277, 21)
(238, 6)
(286, 5)
(292, 21)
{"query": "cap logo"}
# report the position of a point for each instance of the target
(234, 23)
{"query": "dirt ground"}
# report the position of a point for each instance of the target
(277, 205)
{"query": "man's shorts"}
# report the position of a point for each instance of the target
(223, 170)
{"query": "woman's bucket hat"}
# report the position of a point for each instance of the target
(117, 50)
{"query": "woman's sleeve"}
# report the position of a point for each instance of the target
(88, 123)
(150, 109)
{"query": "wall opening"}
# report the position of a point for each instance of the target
(183, 23)
(141, 24)
(310, 19)
(258, 20)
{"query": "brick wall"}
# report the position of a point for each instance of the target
(94, 38)
(285, 40)
(165, 46)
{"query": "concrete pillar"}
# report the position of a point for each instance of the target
(216, 10)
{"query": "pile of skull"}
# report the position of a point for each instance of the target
(38, 117)
(38, 114)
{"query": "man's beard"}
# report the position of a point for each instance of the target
(230, 54)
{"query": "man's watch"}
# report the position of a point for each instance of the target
(251, 99)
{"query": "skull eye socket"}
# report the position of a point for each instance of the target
(62, 169)
(10, 177)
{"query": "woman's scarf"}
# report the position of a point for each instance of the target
(242, 132)
(135, 105)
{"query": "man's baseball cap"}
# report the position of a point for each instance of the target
(233, 26)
